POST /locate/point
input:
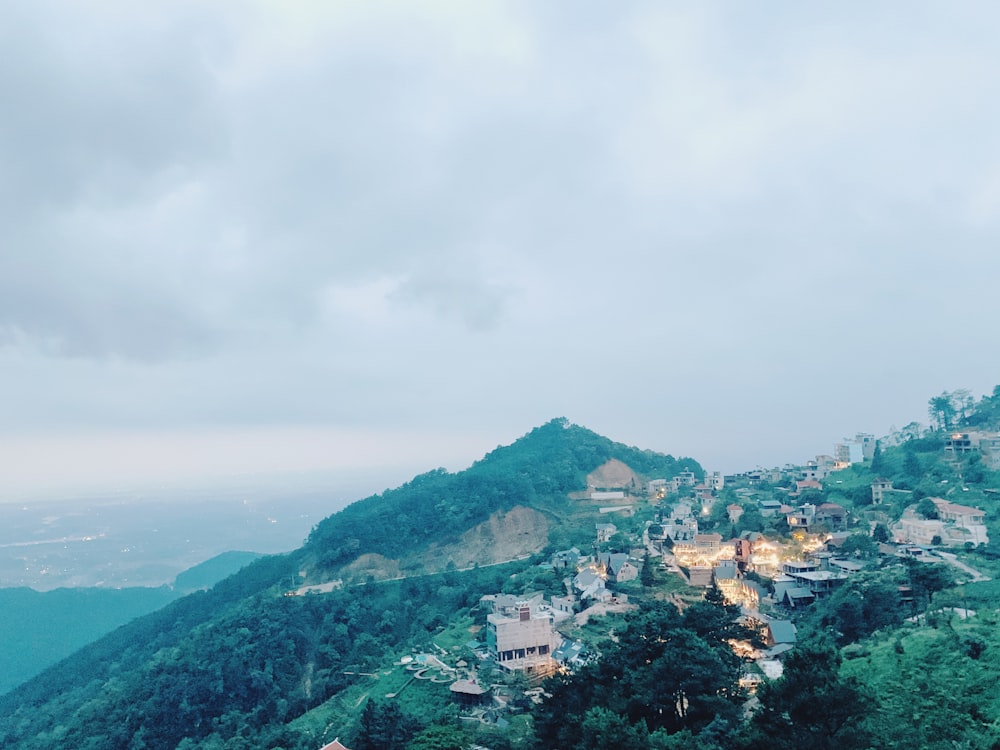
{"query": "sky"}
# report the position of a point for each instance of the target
(242, 238)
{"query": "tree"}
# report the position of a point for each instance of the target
(911, 465)
(604, 728)
(438, 737)
(880, 533)
(928, 578)
(927, 509)
(619, 542)
(810, 705)
(647, 577)
(878, 463)
(384, 726)
(860, 545)
(941, 410)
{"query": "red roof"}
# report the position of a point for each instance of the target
(335, 745)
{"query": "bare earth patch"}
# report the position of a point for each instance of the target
(612, 474)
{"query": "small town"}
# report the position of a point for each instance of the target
(767, 543)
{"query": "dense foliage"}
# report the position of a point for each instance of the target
(891, 659)
(666, 672)
(217, 670)
(439, 506)
(37, 629)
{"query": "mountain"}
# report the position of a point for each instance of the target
(207, 574)
(244, 664)
(419, 527)
(38, 628)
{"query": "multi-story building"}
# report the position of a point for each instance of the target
(955, 526)
(853, 451)
(523, 642)
(987, 444)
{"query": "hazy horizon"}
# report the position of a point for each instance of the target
(258, 239)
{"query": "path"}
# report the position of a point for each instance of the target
(326, 588)
(952, 559)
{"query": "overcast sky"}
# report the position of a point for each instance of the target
(280, 236)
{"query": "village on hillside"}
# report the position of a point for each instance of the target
(694, 537)
(769, 543)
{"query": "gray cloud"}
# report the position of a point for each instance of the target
(679, 225)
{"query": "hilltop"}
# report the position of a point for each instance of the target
(242, 658)
(385, 627)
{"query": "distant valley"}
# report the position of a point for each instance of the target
(131, 540)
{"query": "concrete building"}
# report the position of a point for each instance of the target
(522, 643)
(605, 531)
(854, 451)
(987, 444)
(684, 479)
(955, 526)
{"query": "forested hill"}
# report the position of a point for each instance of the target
(238, 665)
(539, 469)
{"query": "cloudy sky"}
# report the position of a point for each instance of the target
(280, 236)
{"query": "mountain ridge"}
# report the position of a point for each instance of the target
(242, 645)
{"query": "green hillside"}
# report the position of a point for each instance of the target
(207, 574)
(538, 470)
(37, 629)
(902, 655)
(242, 663)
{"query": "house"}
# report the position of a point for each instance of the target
(566, 559)
(716, 481)
(684, 479)
(573, 654)
(960, 515)
(769, 507)
(960, 444)
(586, 578)
(778, 632)
(704, 494)
(565, 605)
(508, 604)
(797, 596)
(605, 531)
(831, 514)
(734, 511)
(861, 448)
(763, 557)
(955, 526)
(794, 567)
(680, 511)
(335, 745)
(681, 529)
(820, 582)
(880, 486)
(845, 566)
(802, 517)
(708, 544)
(703, 549)
(727, 579)
(804, 485)
(591, 586)
(618, 568)
(469, 692)
(523, 643)
(657, 488)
